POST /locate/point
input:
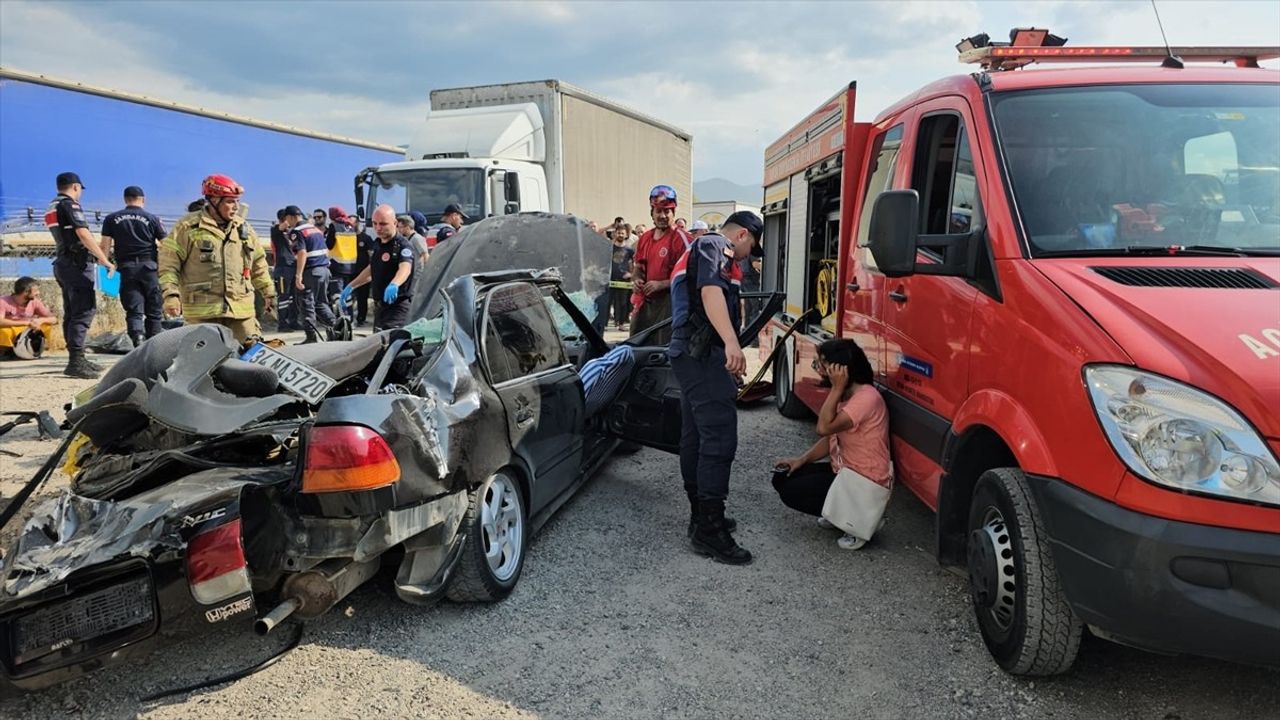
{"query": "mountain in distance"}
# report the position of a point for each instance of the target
(718, 189)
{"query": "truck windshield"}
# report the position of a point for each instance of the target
(429, 191)
(1104, 170)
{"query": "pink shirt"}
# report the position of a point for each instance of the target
(864, 448)
(12, 310)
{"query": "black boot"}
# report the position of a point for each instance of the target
(79, 367)
(729, 523)
(712, 538)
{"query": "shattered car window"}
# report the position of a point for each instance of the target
(518, 339)
(527, 241)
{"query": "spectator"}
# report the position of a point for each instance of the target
(682, 224)
(636, 233)
(407, 227)
(698, 229)
(320, 220)
(620, 277)
(421, 226)
(851, 488)
(23, 319)
(453, 217)
(135, 234)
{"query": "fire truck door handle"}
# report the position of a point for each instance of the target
(853, 287)
(898, 296)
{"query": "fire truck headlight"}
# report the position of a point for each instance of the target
(1183, 438)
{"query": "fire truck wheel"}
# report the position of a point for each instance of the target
(1024, 617)
(789, 406)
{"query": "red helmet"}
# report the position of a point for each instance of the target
(662, 196)
(220, 186)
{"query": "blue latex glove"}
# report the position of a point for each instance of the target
(390, 294)
(344, 297)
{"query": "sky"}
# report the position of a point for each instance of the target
(734, 74)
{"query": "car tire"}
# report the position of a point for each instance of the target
(496, 527)
(789, 406)
(1023, 615)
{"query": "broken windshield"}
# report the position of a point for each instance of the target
(1097, 169)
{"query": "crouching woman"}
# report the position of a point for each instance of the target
(845, 478)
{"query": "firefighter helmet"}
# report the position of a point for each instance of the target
(220, 186)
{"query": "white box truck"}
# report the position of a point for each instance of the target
(530, 146)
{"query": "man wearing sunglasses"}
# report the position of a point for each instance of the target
(706, 358)
(656, 254)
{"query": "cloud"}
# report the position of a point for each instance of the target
(736, 75)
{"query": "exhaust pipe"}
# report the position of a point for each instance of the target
(310, 594)
(268, 622)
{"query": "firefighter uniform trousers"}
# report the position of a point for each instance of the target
(709, 423)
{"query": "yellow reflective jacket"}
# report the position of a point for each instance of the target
(214, 270)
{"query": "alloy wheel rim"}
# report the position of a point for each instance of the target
(502, 527)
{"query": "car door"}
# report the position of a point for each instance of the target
(648, 409)
(927, 317)
(540, 390)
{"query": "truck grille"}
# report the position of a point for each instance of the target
(1234, 278)
(81, 619)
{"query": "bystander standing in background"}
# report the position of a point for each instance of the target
(408, 228)
(620, 277)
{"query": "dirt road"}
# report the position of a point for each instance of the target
(615, 618)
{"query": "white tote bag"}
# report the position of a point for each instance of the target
(855, 503)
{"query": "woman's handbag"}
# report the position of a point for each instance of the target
(855, 503)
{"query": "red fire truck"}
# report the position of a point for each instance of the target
(1068, 283)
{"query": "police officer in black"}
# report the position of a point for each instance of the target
(77, 250)
(311, 273)
(283, 273)
(706, 358)
(133, 235)
(390, 272)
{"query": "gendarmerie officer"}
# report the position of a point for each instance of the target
(390, 272)
(283, 272)
(73, 268)
(133, 235)
(311, 272)
(706, 358)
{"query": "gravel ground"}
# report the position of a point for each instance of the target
(614, 617)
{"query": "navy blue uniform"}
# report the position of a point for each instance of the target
(73, 268)
(313, 300)
(364, 250)
(709, 418)
(383, 266)
(283, 274)
(136, 234)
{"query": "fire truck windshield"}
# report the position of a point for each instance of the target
(1098, 170)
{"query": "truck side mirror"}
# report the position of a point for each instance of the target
(895, 229)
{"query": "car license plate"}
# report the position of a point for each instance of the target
(81, 619)
(301, 380)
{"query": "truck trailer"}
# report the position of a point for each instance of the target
(1067, 282)
(531, 146)
(115, 139)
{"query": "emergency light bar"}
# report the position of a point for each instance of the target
(1010, 57)
(1028, 45)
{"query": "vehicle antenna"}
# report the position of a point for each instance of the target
(1171, 61)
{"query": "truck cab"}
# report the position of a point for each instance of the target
(1068, 283)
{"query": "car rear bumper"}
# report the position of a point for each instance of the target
(1163, 585)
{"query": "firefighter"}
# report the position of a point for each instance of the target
(311, 273)
(656, 254)
(706, 359)
(73, 268)
(212, 262)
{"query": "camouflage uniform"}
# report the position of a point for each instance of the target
(214, 272)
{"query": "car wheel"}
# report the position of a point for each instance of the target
(496, 540)
(788, 404)
(1025, 619)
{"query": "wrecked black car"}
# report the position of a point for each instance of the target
(213, 485)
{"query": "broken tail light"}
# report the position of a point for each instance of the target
(216, 567)
(342, 458)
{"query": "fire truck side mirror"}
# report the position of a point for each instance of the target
(895, 229)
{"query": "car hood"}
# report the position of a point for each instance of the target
(1225, 341)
